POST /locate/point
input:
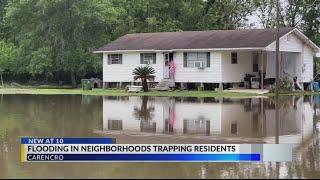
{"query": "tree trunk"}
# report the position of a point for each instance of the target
(1, 79)
(145, 85)
(73, 80)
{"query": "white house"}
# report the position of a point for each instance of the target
(209, 58)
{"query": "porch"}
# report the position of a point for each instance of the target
(258, 69)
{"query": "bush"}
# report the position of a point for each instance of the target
(285, 85)
(200, 88)
(53, 87)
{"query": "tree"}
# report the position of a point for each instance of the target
(310, 20)
(59, 36)
(144, 73)
(294, 11)
(54, 40)
(3, 5)
(266, 12)
(225, 14)
(7, 55)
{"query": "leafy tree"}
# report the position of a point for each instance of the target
(3, 6)
(144, 73)
(54, 40)
(59, 36)
(226, 14)
(310, 20)
(266, 12)
(7, 55)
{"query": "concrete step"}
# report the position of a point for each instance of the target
(165, 84)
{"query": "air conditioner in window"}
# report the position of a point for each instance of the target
(198, 64)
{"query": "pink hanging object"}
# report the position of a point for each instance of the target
(172, 115)
(172, 70)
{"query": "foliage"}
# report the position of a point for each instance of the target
(228, 14)
(7, 55)
(144, 73)
(285, 85)
(54, 40)
(303, 14)
(266, 12)
(59, 36)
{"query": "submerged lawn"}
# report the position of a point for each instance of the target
(121, 92)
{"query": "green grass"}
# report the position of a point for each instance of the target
(122, 92)
(294, 93)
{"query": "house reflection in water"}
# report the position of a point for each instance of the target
(249, 118)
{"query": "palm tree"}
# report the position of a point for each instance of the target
(144, 73)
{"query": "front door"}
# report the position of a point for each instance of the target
(168, 57)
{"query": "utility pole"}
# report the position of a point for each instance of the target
(277, 89)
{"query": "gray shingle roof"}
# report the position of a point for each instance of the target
(245, 38)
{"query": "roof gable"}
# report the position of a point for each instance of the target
(246, 38)
(300, 36)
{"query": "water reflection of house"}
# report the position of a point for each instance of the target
(167, 116)
(210, 117)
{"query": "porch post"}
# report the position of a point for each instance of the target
(220, 86)
(261, 71)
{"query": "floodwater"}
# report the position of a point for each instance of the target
(161, 120)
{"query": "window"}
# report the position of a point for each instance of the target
(148, 126)
(114, 124)
(234, 58)
(234, 128)
(114, 58)
(196, 59)
(198, 126)
(255, 62)
(148, 58)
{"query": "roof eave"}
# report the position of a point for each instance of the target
(171, 50)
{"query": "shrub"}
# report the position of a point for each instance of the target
(285, 85)
(200, 88)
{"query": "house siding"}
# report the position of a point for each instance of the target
(236, 72)
(307, 72)
(123, 72)
(294, 44)
(289, 43)
(210, 74)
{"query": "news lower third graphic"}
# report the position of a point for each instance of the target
(106, 150)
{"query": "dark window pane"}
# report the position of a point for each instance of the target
(234, 128)
(234, 58)
(255, 67)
